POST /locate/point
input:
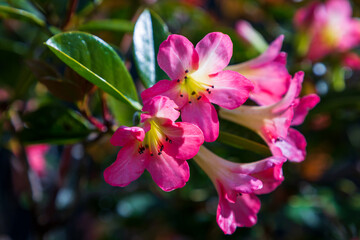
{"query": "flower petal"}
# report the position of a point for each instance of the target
(124, 135)
(170, 89)
(168, 172)
(305, 104)
(161, 107)
(203, 114)
(292, 93)
(338, 8)
(293, 147)
(242, 213)
(231, 89)
(271, 82)
(186, 139)
(268, 171)
(176, 55)
(269, 55)
(129, 166)
(215, 51)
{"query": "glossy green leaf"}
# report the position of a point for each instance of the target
(97, 62)
(10, 12)
(243, 143)
(54, 124)
(149, 32)
(113, 25)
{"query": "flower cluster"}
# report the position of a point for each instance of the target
(200, 77)
(327, 28)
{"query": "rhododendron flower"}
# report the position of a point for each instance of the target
(302, 107)
(36, 157)
(268, 73)
(351, 60)
(250, 35)
(328, 27)
(237, 185)
(161, 146)
(198, 80)
(272, 122)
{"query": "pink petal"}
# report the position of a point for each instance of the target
(36, 157)
(351, 35)
(231, 89)
(242, 213)
(248, 34)
(305, 16)
(203, 114)
(129, 166)
(281, 58)
(351, 60)
(269, 55)
(167, 172)
(268, 171)
(339, 8)
(293, 92)
(176, 55)
(161, 107)
(318, 48)
(271, 82)
(186, 139)
(239, 183)
(268, 73)
(293, 147)
(215, 51)
(305, 104)
(170, 89)
(124, 135)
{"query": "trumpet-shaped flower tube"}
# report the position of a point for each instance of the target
(161, 146)
(198, 79)
(237, 185)
(268, 73)
(328, 27)
(272, 122)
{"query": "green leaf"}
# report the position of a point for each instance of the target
(54, 124)
(149, 32)
(97, 62)
(108, 25)
(122, 112)
(10, 12)
(243, 143)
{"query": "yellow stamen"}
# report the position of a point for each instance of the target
(195, 86)
(153, 138)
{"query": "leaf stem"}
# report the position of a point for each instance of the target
(243, 143)
(70, 12)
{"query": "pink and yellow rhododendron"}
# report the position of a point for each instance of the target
(273, 122)
(237, 185)
(160, 145)
(268, 73)
(328, 27)
(198, 79)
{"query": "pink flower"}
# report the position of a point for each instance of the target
(351, 60)
(198, 80)
(268, 73)
(250, 35)
(328, 28)
(36, 157)
(237, 185)
(302, 107)
(272, 122)
(161, 146)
